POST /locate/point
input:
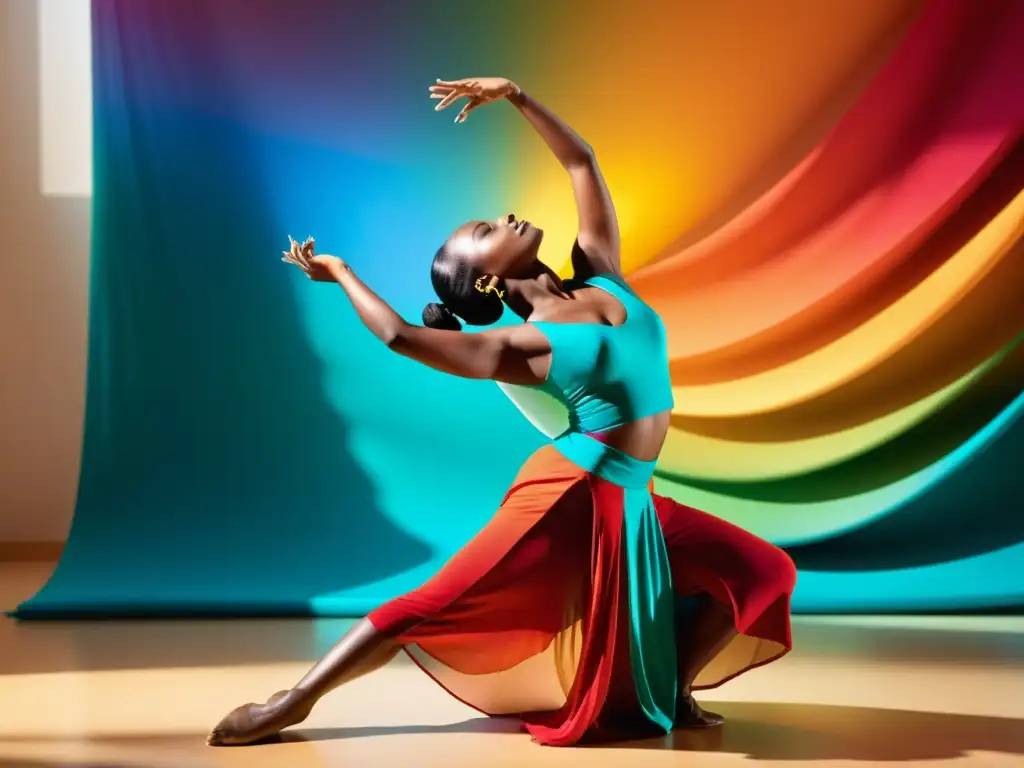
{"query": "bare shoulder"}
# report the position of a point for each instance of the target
(523, 337)
(522, 354)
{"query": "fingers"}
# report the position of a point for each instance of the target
(288, 259)
(299, 255)
(447, 100)
(447, 94)
(451, 90)
(295, 251)
(473, 104)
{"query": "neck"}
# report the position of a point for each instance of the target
(538, 287)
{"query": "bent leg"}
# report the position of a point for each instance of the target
(742, 585)
(734, 566)
(700, 636)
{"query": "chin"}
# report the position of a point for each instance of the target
(528, 253)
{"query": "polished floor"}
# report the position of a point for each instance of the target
(866, 691)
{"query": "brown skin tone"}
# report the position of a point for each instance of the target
(505, 250)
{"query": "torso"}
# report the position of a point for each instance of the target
(641, 438)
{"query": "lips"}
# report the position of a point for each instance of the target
(522, 226)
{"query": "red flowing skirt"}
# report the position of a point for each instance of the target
(529, 618)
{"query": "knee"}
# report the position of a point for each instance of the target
(778, 569)
(770, 569)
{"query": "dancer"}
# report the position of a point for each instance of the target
(588, 607)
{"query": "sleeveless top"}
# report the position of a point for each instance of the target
(606, 376)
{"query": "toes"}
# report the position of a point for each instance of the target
(221, 733)
(216, 738)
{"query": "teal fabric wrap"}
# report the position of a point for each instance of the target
(651, 600)
(651, 611)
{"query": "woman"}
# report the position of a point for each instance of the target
(568, 608)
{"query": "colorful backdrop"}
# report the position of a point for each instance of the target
(823, 200)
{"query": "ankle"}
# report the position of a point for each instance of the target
(303, 698)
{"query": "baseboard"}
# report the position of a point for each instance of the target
(30, 551)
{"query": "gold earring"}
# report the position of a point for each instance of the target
(491, 287)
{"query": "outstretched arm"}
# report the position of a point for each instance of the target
(516, 355)
(598, 238)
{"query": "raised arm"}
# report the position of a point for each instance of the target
(598, 234)
(598, 237)
(515, 355)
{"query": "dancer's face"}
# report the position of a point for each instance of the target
(506, 247)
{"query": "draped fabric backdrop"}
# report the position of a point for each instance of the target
(823, 200)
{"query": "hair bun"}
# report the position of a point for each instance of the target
(440, 317)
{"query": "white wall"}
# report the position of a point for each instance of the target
(44, 262)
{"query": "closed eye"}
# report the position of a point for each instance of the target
(482, 229)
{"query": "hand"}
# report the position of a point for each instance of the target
(479, 91)
(321, 269)
(299, 255)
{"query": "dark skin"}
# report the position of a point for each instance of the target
(505, 251)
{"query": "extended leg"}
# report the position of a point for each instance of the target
(360, 651)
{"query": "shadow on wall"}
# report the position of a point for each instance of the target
(212, 451)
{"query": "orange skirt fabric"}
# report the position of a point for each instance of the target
(528, 619)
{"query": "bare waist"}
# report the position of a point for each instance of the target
(642, 439)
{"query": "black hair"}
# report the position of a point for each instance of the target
(454, 283)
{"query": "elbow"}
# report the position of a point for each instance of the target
(396, 338)
(584, 158)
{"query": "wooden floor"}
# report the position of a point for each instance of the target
(856, 691)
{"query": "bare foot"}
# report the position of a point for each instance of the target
(252, 723)
(689, 714)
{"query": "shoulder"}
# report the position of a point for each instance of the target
(611, 282)
(613, 278)
(523, 337)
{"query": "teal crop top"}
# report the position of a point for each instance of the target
(606, 375)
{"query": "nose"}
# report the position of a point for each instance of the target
(509, 218)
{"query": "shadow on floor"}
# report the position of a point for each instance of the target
(757, 731)
(764, 731)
